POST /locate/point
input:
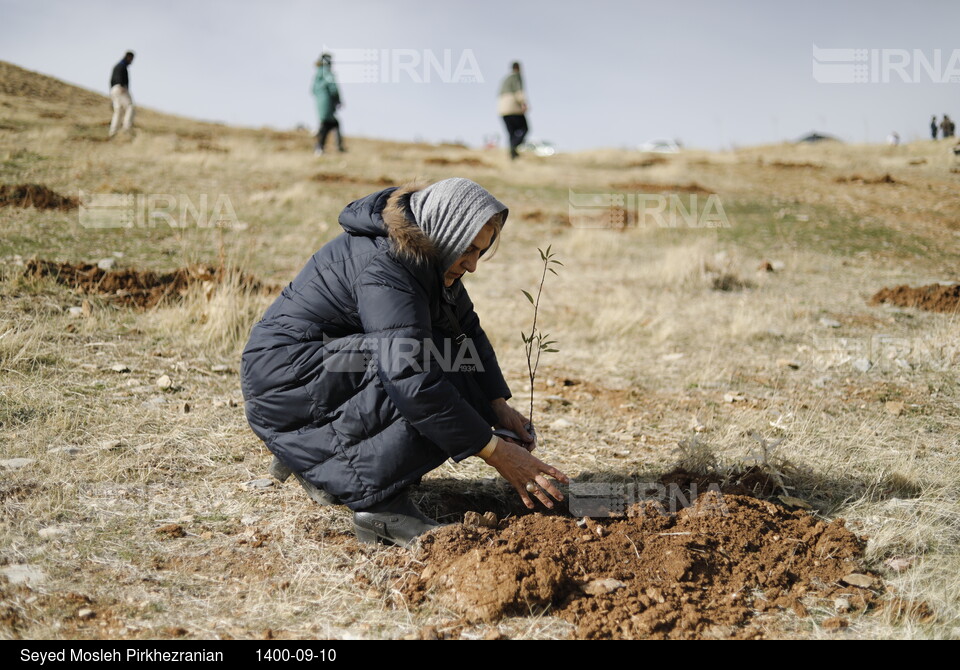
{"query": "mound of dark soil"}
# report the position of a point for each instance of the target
(129, 287)
(933, 298)
(703, 572)
(34, 195)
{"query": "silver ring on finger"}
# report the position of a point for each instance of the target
(532, 487)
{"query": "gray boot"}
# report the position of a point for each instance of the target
(397, 520)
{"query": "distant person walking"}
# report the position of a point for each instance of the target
(933, 127)
(328, 100)
(120, 95)
(512, 106)
(947, 127)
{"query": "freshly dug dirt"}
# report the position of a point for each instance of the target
(34, 195)
(129, 287)
(933, 298)
(705, 572)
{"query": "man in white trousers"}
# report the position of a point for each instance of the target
(120, 95)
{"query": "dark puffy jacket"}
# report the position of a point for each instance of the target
(119, 75)
(336, 376)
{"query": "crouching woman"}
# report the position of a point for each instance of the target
(342, 379)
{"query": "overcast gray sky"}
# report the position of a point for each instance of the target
(600, 73)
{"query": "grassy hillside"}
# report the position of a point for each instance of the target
(133, 514)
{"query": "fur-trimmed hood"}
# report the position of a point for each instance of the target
(387, 214)
(409, 240)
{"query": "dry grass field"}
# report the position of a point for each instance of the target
(131, 496)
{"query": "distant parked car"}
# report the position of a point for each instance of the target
(538, 148)
(661, 147)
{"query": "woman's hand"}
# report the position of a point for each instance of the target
(519, 467)
(511, 419)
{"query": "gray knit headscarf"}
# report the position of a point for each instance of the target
(452, 212)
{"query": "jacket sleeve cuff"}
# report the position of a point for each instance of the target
(474, 449)
(488, 450)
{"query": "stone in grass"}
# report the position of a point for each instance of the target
(17, 463)
(862, 364)
(21, 573)
(829, 323)
(858, 580)
(895, 407)
(64, 451)
(120, 367)
(52, 532)
(106, 263)
(164, 382)
(899, 563)
(255, 484)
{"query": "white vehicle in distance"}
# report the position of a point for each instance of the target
(538, 148)
(661, 147)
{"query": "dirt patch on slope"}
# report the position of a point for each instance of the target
(647, 162)
(468, 161)
(933, 298)
(34, 195)
(650, 187)
(335, 178)
(857, 179)
(791, 165)
(134, 288)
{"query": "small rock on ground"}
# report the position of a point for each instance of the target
(17, 463)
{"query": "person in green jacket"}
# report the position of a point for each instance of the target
(328, 100)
